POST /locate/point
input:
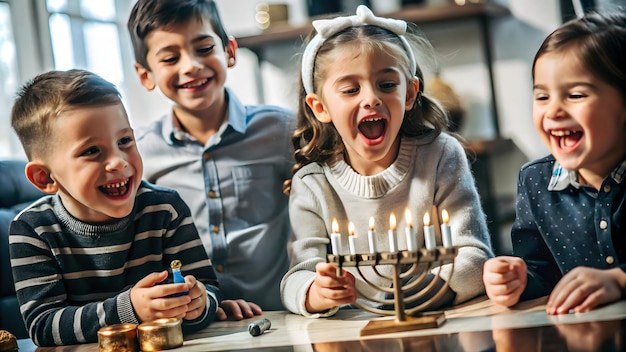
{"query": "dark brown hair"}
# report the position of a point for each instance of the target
(598, 40)
(147, 16)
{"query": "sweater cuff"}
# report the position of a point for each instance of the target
(302, 295)
(125, 309)
(207, 316)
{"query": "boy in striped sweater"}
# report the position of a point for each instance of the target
(94, 251)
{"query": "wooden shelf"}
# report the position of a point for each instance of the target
(491, 146)
(419, 14)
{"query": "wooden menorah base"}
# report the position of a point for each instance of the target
(427, 320)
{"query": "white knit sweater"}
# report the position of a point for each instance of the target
(426, 172)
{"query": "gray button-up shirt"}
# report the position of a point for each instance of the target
(233, 185)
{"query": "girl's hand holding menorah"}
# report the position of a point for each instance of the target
(329, 290)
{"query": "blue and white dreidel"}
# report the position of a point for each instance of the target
(177, 275)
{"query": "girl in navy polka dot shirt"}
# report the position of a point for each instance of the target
(569, 235)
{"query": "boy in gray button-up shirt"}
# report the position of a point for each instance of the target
(228, 161)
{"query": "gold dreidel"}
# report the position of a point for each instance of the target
(160, 334)
(118, 338)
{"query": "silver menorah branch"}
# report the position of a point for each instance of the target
(415, 264)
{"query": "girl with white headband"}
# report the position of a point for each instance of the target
(370, 143)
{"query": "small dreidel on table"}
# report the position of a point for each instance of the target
(259, 326)
(177, 276)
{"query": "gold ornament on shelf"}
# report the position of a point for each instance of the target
(446, 96)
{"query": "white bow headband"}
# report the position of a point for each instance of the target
(329, 27)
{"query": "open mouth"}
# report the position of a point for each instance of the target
(195, 84)
(567, 139)
(118, 189)
(373, 128)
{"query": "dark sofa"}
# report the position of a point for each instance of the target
(15, 194)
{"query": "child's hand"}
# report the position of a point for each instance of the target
(328, 290)
(151, 301)
(237, 309)
(505, 279)
(198, 296)
(583, 289)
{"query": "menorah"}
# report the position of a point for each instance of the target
(415, 263)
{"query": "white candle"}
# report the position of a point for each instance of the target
(446, 234)
(371, 237)
(393, 239)
(351, 238)
(429, 233)
(411, 241)
(335, 237)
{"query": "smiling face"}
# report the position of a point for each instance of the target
(94, 163)
(188, 63)
(580, 118)
(365, 95)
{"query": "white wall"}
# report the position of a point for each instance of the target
(517, 40)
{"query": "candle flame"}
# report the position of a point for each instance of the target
(372, 223)
(444, 216)
(407, 215)
(426, 219)
(335, 226)
(392, 222)
(350, 229)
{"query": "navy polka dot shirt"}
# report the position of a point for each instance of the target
(561, 224)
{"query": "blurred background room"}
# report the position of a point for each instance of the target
(482, 74)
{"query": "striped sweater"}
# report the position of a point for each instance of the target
(72, 277)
